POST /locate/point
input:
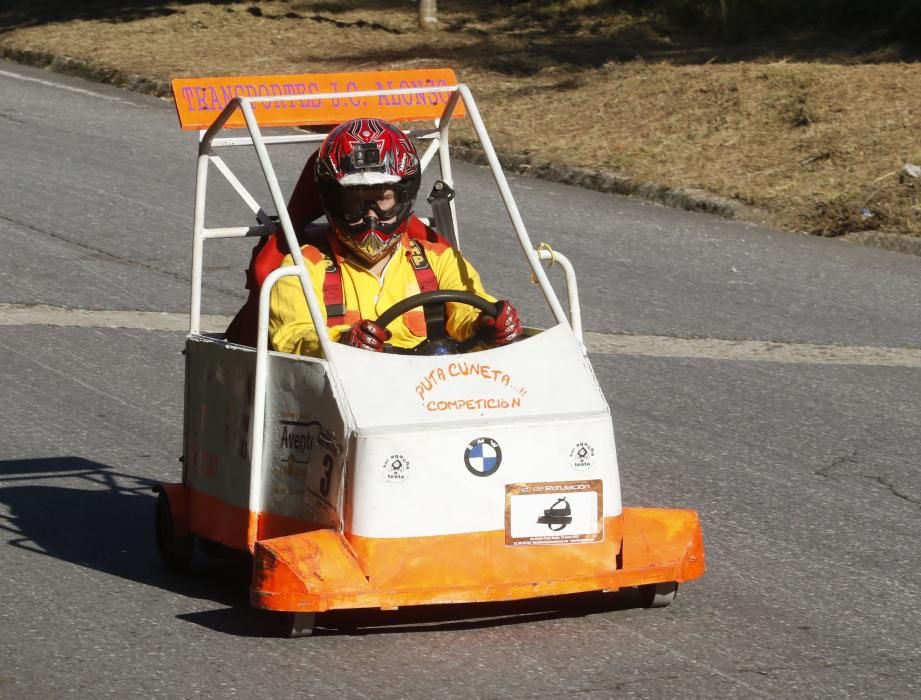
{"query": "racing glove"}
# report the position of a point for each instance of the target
(366, 335)
(501, 330)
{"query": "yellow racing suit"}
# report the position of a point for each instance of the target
(366, 296)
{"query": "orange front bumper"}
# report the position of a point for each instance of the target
(323, 570)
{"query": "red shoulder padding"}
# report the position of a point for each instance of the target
(418, 230)
(266, 258)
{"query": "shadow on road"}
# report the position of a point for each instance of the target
(86, 513)
(423, 618)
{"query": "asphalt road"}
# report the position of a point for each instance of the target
(803, 470)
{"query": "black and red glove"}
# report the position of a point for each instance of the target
(366, 335)
(502, 329)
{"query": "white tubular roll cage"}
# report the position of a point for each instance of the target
(438, 137)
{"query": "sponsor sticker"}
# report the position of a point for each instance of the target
(582, 457)
(557, 512)
(483, 456)
(395, 469)
(304, 468)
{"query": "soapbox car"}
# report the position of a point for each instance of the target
(370, 480)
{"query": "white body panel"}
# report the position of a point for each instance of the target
(537, 399)
(545, 375)
(303, 454)
(219, 399)
(371, 457)
(439, 495)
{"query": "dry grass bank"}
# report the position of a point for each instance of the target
(814, 138)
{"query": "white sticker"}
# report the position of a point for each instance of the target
(395, 469)
(560, 512)
(582, 457)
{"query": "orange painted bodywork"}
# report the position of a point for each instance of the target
(200, 100)
(323, 570)
(301, 567)
(230, 525)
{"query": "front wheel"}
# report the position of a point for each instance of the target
(176, 551)
(295, 624)
(658, 595)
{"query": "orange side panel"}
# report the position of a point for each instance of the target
(200, 100)
(321, 556)
(222, 522)
(216, 520)
(663, 537)
(322, 570)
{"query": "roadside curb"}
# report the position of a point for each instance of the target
(895, 242)
(603, 181)
(599, 181)
(88, 71)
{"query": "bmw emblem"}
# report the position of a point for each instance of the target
(483, 457)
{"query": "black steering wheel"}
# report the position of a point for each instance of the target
(438, 341)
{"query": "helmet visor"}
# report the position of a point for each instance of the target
(354, 203)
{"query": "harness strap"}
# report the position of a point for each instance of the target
(440, 199)
(332, 293)
(425, 275)
(334, 299)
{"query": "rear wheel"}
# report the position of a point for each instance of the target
(221, 552)
(176, 551)
(658, 595)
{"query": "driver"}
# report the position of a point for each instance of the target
(368, 176)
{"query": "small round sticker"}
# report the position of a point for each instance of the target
(395, 469)
(483, 457)
(582, 456)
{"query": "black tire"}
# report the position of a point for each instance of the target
(220, 552)
(658, 595)
(297, 624)
(176, 551)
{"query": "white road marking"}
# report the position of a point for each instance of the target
(70, 88)
(43, 315)
(751, 350)
(600, 343)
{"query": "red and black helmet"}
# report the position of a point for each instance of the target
(357, 159)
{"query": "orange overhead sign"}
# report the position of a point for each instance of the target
(200, 100)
